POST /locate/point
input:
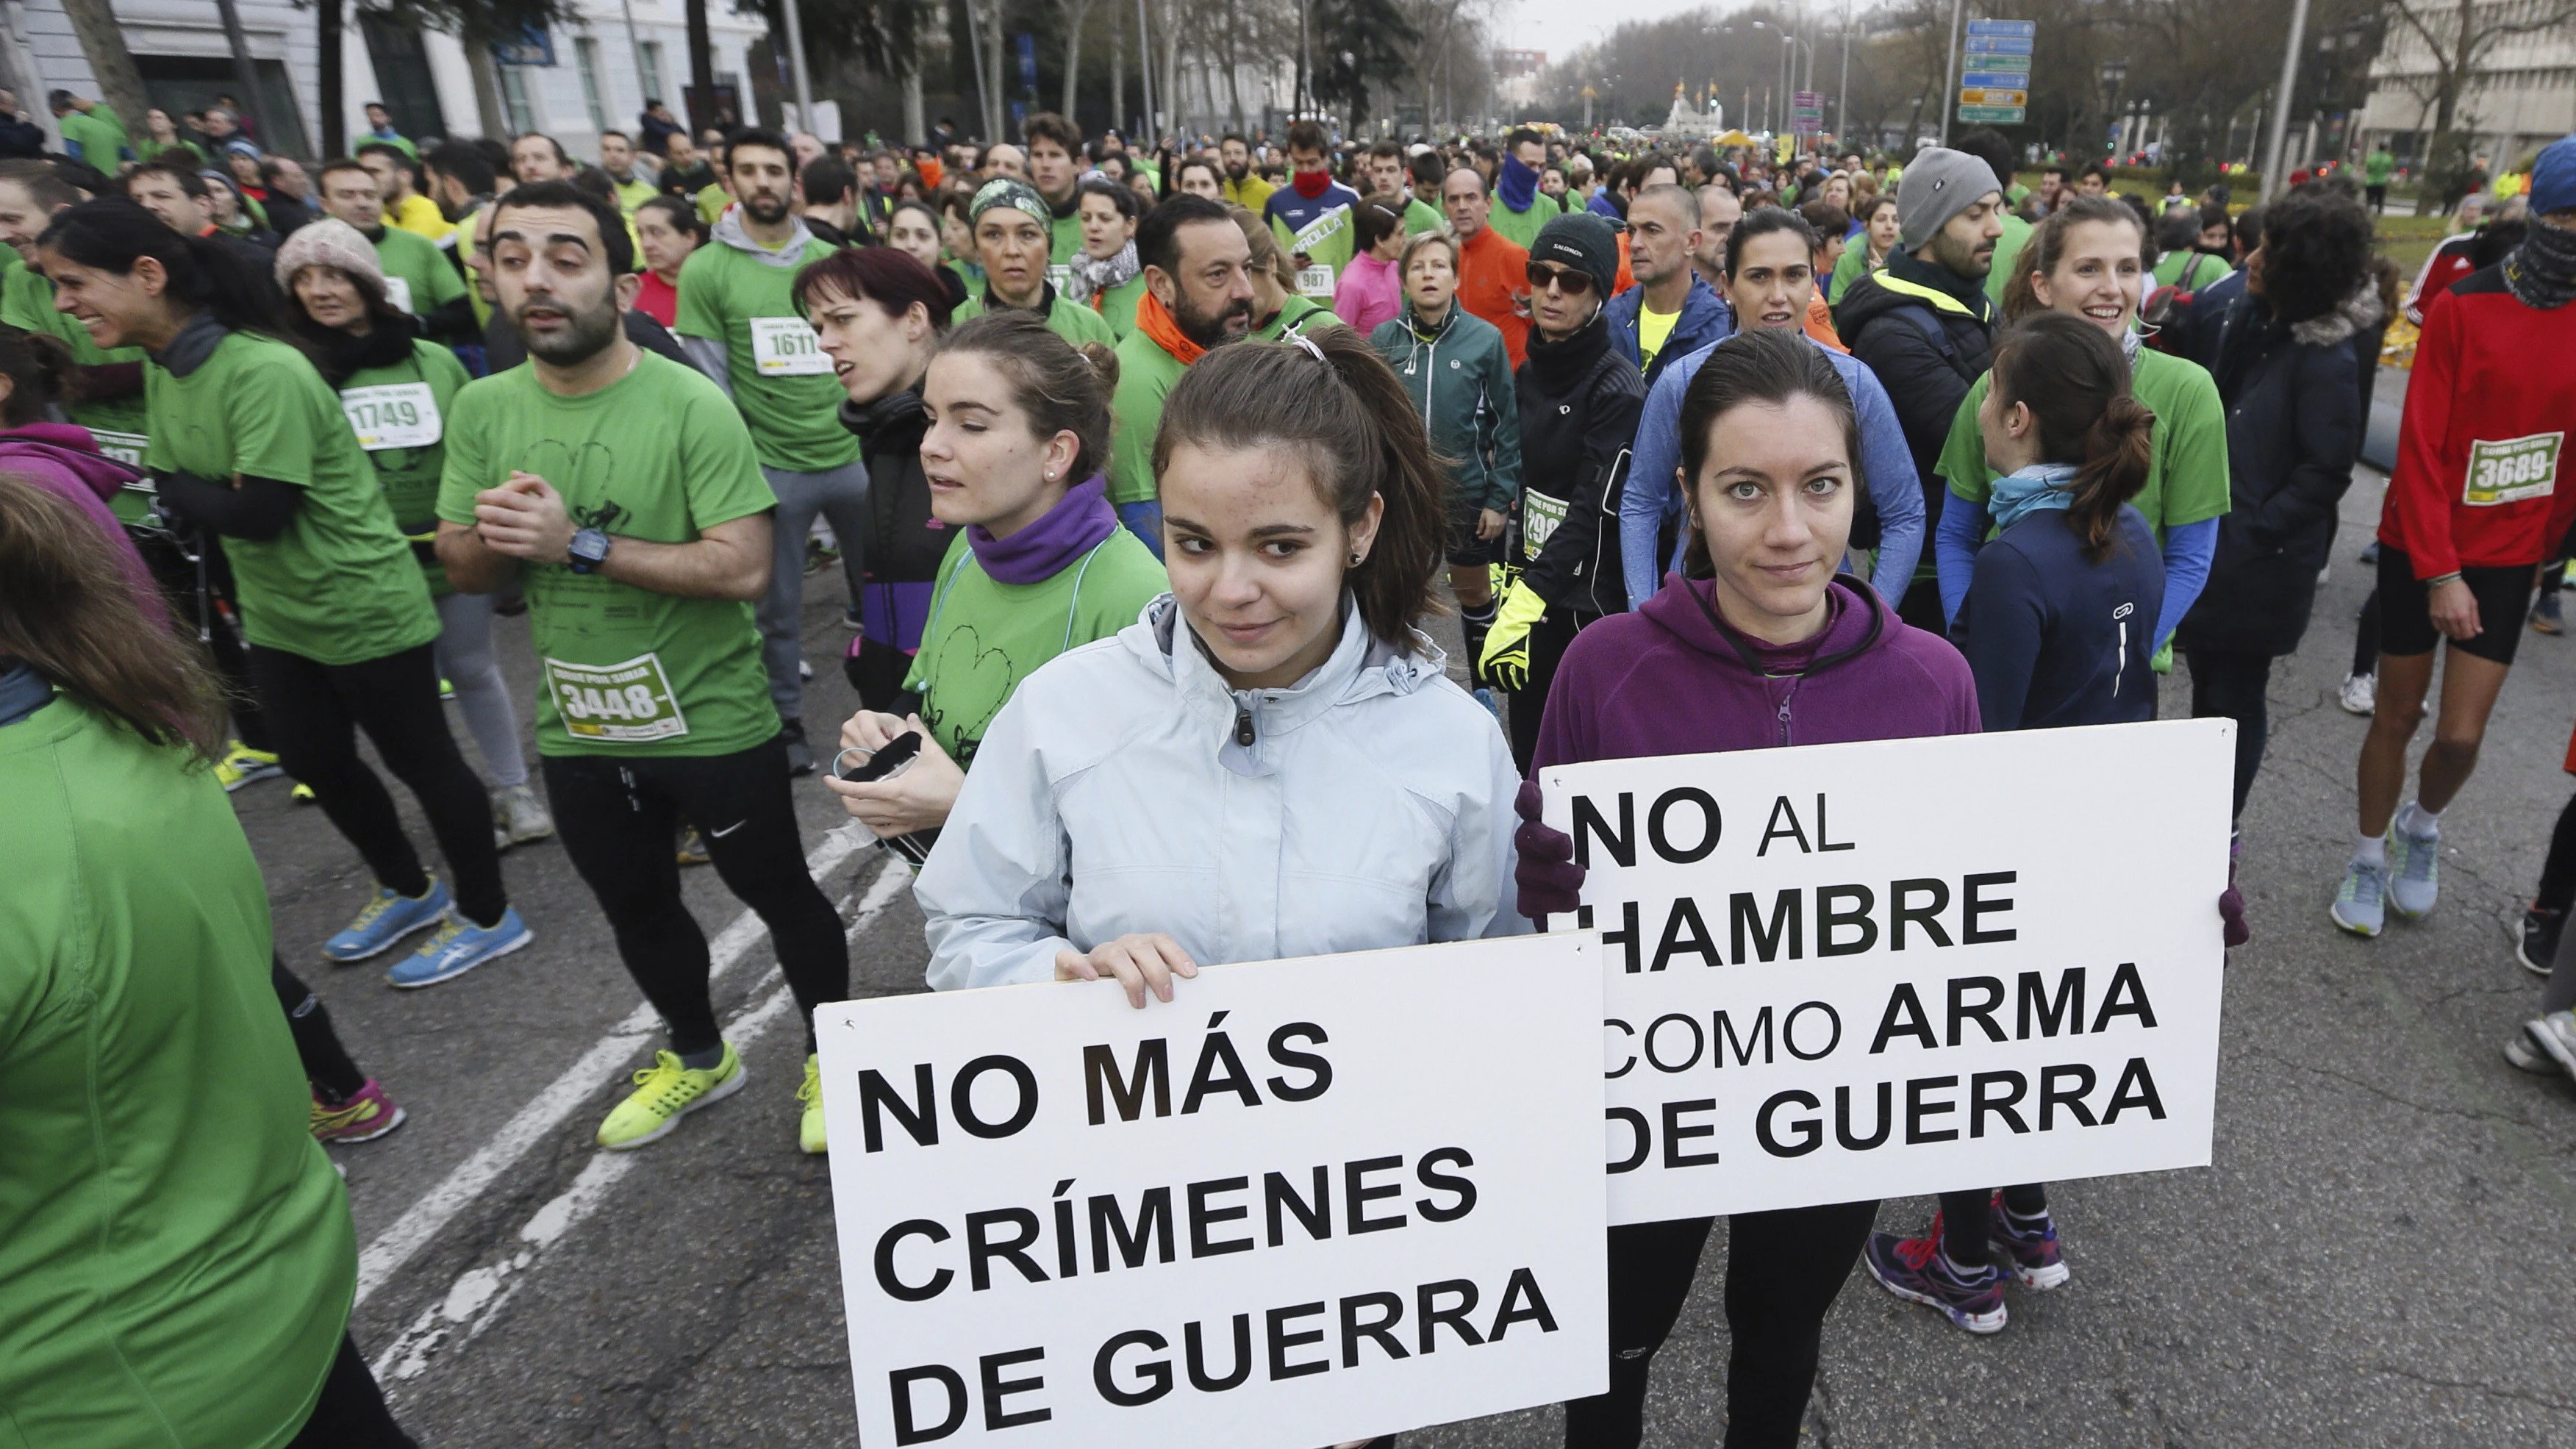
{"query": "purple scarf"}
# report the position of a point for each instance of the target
(1075, 526)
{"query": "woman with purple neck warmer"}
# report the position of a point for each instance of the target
(1016, 431)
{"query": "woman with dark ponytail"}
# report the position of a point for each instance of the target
(1272, 760)
(2058, 629)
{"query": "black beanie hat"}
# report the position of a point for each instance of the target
(1584, 242)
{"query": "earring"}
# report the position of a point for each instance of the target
(1355, 560)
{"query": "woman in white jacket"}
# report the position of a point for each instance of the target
(1271, 761)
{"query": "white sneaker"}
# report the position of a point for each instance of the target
(2360, 694)
(518, 816)
(2555, 1035)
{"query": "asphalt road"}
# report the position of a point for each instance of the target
(2372, 1260)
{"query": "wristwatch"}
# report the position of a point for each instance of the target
(588, 550)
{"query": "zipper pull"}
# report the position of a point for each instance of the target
(1243, 726)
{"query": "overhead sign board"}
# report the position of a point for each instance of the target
(1998, 45)
(1995, 79)
(2022, 28)
(1993, 115)
(1992, 97)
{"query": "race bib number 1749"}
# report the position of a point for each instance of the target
(621, 704)
(2510, 470)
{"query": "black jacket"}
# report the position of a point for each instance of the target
(1579, 401)
(2293, 430)
(904, 543)
(1928, 334)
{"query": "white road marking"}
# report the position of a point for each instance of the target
(478, 1294)
(534, 1122)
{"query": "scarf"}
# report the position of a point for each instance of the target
(2541, 273)
(2035, 488)
(1073, 527)
(1310, 184)
(195, 343)
(1155, 321)
(1516, 184)
(340, 355)
(1095, 275)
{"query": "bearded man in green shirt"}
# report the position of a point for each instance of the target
(623, 492)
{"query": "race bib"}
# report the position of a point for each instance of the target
(396, 415)
(2510, 470)
(617, 704)
(126, 448)
(1059, 275)
(786, 347)
(398, 292)
(1315, 282)
(1540, 516)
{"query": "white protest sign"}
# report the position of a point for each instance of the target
(1307, 1202)
(1872, 970)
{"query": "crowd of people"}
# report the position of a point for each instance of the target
(1146, 475)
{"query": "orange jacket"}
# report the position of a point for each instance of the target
(1820, 322)
(1493, 283)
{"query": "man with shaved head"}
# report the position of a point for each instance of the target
(1493, 272)
(1670, 311)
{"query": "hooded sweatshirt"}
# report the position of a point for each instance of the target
(64, 460)
(1671, 679)
(738, 319)
(1127, 787)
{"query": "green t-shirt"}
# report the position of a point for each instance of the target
(1146, 375)
(2189, 270)
(984, 637)
(339, 585)
(419, 278)
(2378, 168)
(633, 194)
(1072, 321)
(626, 671)
(1522, 227)
(1850, 267)
(27, 303)
(1325, 243)
(1064, 237)
(2187, 477)
(96, 136)
(178, 1251)
(1117, 306)
(780, 377)
(189, 151)
(1420, 217)
(2007, 253)
(1297, 317)
(399, 416)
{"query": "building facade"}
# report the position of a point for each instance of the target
(2523, 95)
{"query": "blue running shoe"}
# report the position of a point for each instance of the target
(459, 947)
(2414, 873)
(1915, 1270)
(2361, 902)
(2031, 1252)
(387, 919)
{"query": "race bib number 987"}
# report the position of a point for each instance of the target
(786, 347)
(2510, 470)
(619, 704)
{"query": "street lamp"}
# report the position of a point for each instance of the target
(2112, 73)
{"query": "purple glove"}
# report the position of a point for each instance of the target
(2231, 906)
(1550, 882)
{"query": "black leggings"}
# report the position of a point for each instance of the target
(616, 818)
(1963, 1219)
(317, 1046)
(1547, 640)
(315, 711)
(2365, 636)
(1783, 1270)
(351, 1413)
(2231, 686)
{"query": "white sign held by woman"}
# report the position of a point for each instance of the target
(1305, 1202)
(1871, 970)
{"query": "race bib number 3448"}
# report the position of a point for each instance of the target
(2510, 470)
(622, 704)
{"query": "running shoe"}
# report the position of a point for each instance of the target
(809, 1123)
(1915, 1270)
(2414, 873)
(242, 765)
(2031, 1253)
(364, 1117)
(2523, 1051)
(851, 618)
(2537, 943)
(2545, 617)
(800, 755)
(2360, 694)
(387, 919)
(819, 555)
(302, 794)
(446, 689)
(692, 849)
(520, 816)
(2361, 902)
(2555, 1037)
(2370, 555)
(459, 947)
(664, 1093)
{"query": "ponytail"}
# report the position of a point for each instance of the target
(41, 374)
(111, 234)
(1333, 401)
(2075, 382)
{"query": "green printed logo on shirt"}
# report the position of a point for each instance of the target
(2510, 470)
(624, 703)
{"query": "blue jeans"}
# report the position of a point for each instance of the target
(1145, 520)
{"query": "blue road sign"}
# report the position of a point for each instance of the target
(2023, 28)
(2000, 80)
(1999, 45)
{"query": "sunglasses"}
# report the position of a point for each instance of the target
(1543, 275)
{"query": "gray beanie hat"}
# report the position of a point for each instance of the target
(1938, 184)
(1583, 241)
(330, 242)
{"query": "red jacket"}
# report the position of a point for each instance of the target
(2484, 479)
(1493, 283)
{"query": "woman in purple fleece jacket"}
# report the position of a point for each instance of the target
(1760, 647)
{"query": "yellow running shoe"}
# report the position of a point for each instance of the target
(809, 1126)
(302, 794)
(242, 765)
(664, 1093)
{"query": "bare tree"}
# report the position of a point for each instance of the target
(102, 43)
(2458, 37)
(1075, 13)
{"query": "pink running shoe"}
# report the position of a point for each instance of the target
(364, 1117)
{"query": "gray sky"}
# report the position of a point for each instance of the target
(1560, 29)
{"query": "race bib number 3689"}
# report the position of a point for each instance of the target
(2510, 470)
(621, 704)
(786, 347)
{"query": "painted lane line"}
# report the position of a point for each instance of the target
(477, 1296)
(559, 1099)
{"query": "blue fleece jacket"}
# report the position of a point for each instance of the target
(1885, 463)
(2054, 638)
(1705, 318)
(2187, 554)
